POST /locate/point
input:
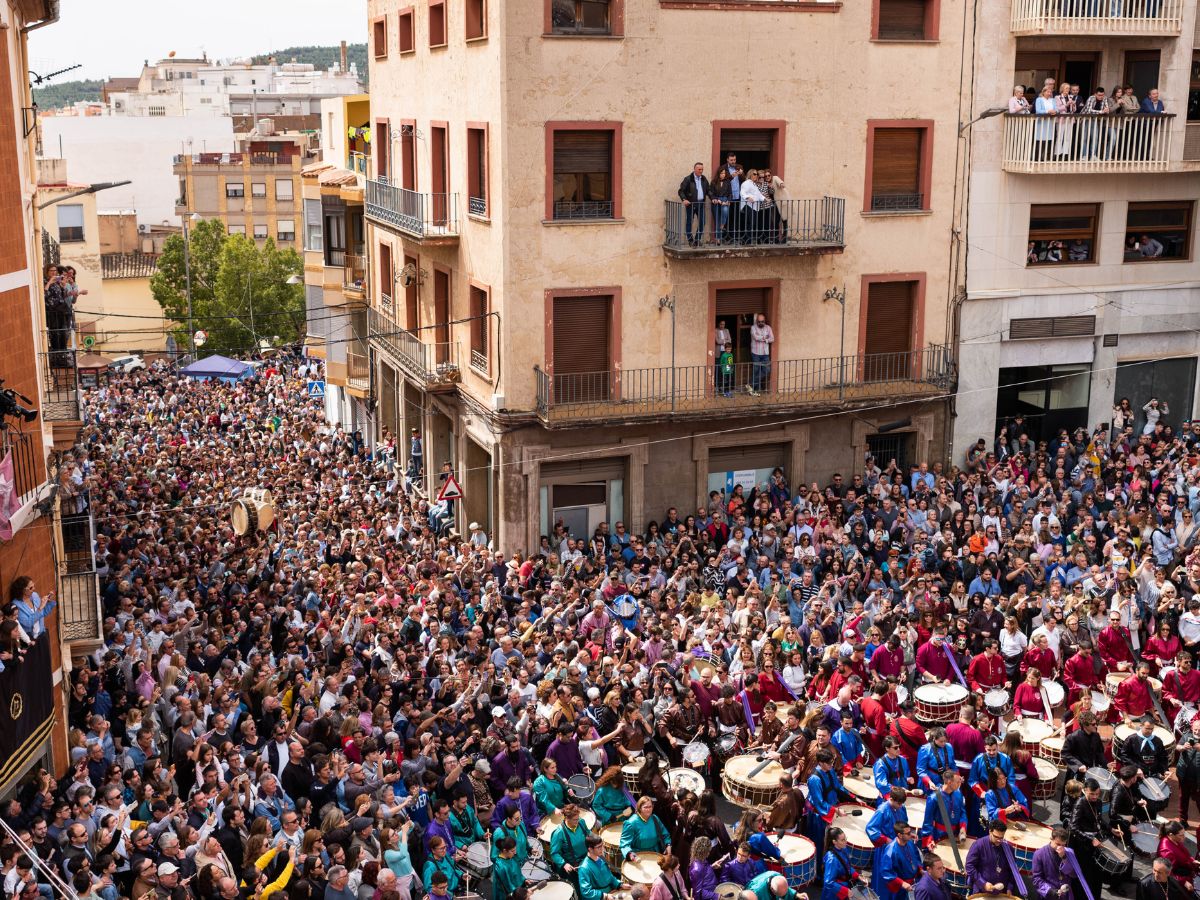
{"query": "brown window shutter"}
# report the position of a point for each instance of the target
(902, 19)
(735, 302)
(581, 348)
(387, 279)
(583, 151)
(748, 140)
(890, 317)
(897, 161)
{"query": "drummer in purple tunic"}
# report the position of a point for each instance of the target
(933, 884)
(987, 865)
(1054, 874)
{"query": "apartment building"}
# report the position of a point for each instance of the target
(336, 271)
(538, 311)
(1083, 265)
(41, 539)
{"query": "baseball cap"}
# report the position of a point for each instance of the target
(167, 868)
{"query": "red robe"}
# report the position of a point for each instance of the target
(1183, 868)
(986, 672)
(1179, 689)
(966, 740)
(884, 662)
(1159, 652)
(837, 681)
(875, 718)
(911, 737)
(1042, 660)
(1112, 646)
(1080, 674)
(772, 688)
(1133, 699)
(1027, 701)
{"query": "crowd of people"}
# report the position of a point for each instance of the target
(748, 206)
(354, 705)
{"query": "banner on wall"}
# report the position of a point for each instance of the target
(26, 710)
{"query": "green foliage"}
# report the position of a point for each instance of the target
(321, 57)
(67, 93)
(228, 272)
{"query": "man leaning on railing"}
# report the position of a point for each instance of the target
(693, 191)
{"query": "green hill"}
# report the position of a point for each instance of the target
(321, 57)
(50, 96)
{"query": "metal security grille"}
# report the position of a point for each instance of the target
(886, 447)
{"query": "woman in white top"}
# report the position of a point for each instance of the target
(1017, 104)
(1043, 133)
(1154, 411)
(752, 201)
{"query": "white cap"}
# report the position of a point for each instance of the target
(497, 712)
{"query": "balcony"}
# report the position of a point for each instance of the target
(25, 448)
(359, 163)
(434, 365)
(697, 391)
(60, 381)
(79, 614)
(428, 218)
(788, 228)
(358, 367)
(1097, 17)
(354, 277)
(1048, 145)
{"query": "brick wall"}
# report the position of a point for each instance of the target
(12, 218)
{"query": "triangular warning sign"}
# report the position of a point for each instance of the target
(450, 490)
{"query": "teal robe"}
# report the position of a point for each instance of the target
(550, 794)
(646, 835)
(568, 847)
(507, 878)
(596, 879)
(608, 804)
(520, 835)
(446, 865)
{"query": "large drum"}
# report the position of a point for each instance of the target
(743, 789)
(1123, 732)
(938, 704)
(1033, 732)
(1047, 778)
(259, 495)
(1055, 693)
(998, 702)
(1114, 679)
(799, 859)
(853, 819)
(611, 835)
(631, 770)
(551, 823)
(956, 876)
(1028, 842)
(251, 515)
(862, 789)
(686, 778)
(915, 808)
(644, 869)
(728, 890)
(552, 890)
(1052, 749)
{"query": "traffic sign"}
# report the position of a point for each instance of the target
(316, 389)
(450, 489)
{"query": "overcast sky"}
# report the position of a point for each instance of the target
(114, 37)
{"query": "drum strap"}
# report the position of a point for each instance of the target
(904, 737)
(1016, 872)
(669, 881)
(1079, 874)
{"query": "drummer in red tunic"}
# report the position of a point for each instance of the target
(875, 719)
(1133, 699)
(1080, 672)
(888, 661)
(1040, 657)
(933, 660)
(987, 672)
(1114, 645)
(1181, 686)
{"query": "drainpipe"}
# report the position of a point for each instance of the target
(52, 12)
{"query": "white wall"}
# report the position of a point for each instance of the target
(141, 150)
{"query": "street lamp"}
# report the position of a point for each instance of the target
(840, 298)
(187, 276)
(90, 189)
(986, 114)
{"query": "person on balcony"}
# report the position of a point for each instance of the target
(761, 339)
(32, 610)
(721, 197)
(1152, 105)
(693, 192)
(1017, 104)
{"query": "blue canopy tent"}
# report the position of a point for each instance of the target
(221, 367)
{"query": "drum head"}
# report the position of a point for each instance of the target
(581, 787)
(795, 848)
(240, 516)
(1046, 770)
(740, 767)
(478, 856)
(946, 852)
(1106, 778)
(264, 516)
(1033, 837)
(860, 787)
(535, 871)
(1145, 842)
(727, 742)
(644, 869)
(996, 697)
(553, 890)
(862, 892)
(1154, 789)
(688, 779)
(695, 753)
(611, 834)
(1033, 731)
(728, 890)
(901, 694)
(1055, 692)
(1100, 702)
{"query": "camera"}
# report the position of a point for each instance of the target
(10, 407)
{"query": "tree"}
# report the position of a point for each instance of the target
(240, 294)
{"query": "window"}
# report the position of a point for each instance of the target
(1142, 70)
(888, 336)
(1158, 231)
(205, 100)
(1193, 108)
(283, 189)
(314, 239)
(906, 20)
(757, 145)
(382, 148)
(1062, 233)
(437, 24)
(387, 277)
(584, 172)
(286, 229)
(260, 231)
(899, 166)
(479, 328)
(258, 189)
(157, 111)
(476, 19)
(581, 341)
(237, 229)
(408, 155)
(477, 173)
(379, 38)
(235, 189)
(70, 222)
(407, 31)
(580, 17)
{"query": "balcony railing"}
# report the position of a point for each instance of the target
(583, 209)
(358, 366)
(477, 206)
(433, 363)
(335, 258)
(748, 388)
(354, 277)
(786, 227)
(60, 378)
(1150, 17)
(897, 202)
(423, 216)
(1087, 143)
(25, 448)
(79, 606)
(358, 162)
(233, 159)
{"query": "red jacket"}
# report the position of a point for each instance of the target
(911, 737)
(1042, 660)
(1133, 697)
(1080, 673)
(875, 718)
(1113, 647)
(986, 672)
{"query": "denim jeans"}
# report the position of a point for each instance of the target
(720, 221)
(695, 210)
(760, 371)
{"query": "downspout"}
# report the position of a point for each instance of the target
(52, 12)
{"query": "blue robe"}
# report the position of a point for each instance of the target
(764, 846)
(840, 876)
(825, 791)
(977, 782)
(881, 831)
(933, 827)
(899, 863)
(849, 744)
(997, 800)
(931, 762)
(890, 773)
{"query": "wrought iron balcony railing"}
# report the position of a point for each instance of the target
(783, 228)
(422, 216)
(434, 363)
(1087, 17)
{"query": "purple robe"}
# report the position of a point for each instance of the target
(504, 767)
(704, 880)
(929, 889)
(986, 864)
(742, 872)
(529, 811)
(437, 829)
(567, 756)
(1050, 872)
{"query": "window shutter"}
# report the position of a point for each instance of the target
(386, 276)
(902, 19)
(581, 338)
(748, 140)
(587, 152)
(736, 302)
(889, 317)
(897, 161)
(1048, 327)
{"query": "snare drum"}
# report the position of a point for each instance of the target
(799, 859)
(1033, 732)
(1052, 749)
(956, 878)
(695, 754)
(689, 779)
(479, 859)
(742, 789)
(632, 770)
(1106, 779)
(998, 702)
(642, 870)
(1047, 778)
(726, 745)
(1028, 842)
(1154, 789)
(1145, 842)
(553, 890)
(853, 819)
(1122, 732)
(862, 789)
(536, 871)
(938, 704)
(581, 787)
(728, 890)
(1055, 693)
(1112, 858)
(1100, 703)
(862, 892)
(611, 835)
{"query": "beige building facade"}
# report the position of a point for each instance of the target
(541, 314)
(1081, 237)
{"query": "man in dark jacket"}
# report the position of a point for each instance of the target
(693, 191)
